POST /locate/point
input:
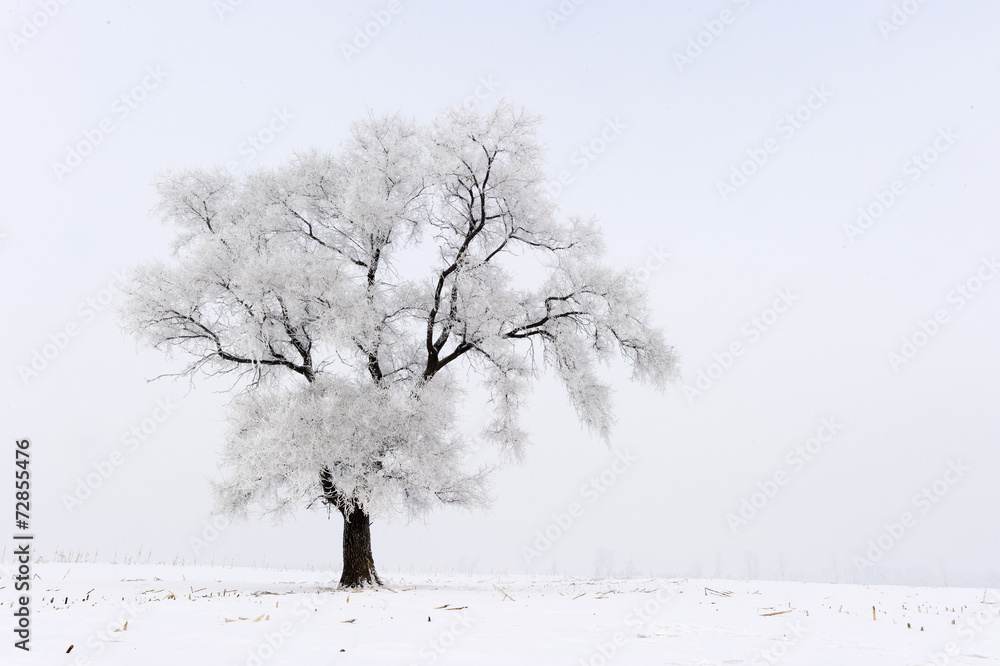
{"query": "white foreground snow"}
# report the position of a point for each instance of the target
(211, 615)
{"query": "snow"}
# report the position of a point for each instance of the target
(218, 615)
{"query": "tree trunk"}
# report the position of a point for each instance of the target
(359, 567)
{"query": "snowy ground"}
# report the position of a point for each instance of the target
(219, 616)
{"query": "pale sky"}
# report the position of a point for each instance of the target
(811, 186)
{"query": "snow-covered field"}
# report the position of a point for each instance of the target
(167, 615)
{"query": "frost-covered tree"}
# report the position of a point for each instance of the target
(343, 291)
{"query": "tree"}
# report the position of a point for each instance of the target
(343, 290)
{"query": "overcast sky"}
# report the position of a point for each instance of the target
(809, 187)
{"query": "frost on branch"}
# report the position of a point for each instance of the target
(392, 450)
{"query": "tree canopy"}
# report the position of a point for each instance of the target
(343, 289)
